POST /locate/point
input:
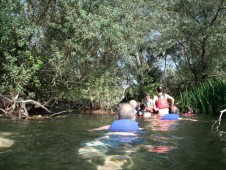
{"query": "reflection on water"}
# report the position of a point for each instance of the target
(162, 125)
(66, 143)
(5, 142)
(114, 149)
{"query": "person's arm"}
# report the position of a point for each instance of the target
(171, 99)
(191, 119)
(154, 103)
(106, 127)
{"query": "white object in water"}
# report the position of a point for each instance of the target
(5, 143)
(147, 115)
(163, 112)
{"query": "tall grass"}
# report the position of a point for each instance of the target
(205, 98)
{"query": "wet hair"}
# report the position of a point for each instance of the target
(159, 89)
(126, 111)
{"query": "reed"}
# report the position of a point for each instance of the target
(205, 98)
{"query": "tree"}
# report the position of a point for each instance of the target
(192, 35)
(86, 36)
(19, 63)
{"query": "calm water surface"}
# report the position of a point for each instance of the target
(56, 144)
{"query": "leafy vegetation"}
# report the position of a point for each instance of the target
(207, 98)
(96, 53)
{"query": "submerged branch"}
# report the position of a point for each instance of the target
(219, 120)
(17, 107)
(36, 104)
(57, 114)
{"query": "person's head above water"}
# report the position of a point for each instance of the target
(133, 103)
(126, 111)
(159, 89)
(189, 110)
(148, 96)
(174, 109)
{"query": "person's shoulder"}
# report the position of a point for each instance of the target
(123, 121)
(106, 127)
(168, 96)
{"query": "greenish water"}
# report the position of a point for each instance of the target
(55, 144)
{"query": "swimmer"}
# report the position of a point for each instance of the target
(126, 120)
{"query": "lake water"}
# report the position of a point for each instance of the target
(66, 144)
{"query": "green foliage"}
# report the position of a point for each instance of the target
(19, 63)
(205, 98)
(191, 33)
(91, 51)
(18, 75)
(106, 90)
(151, 86)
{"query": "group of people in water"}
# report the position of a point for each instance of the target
(161, 105)
(125, 129)
(158, 105)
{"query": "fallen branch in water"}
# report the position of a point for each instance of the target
(17, 107)
(37, 104)
(4, 111)
(57, 114)
(219, 120)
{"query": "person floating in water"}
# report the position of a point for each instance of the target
(161, 101)
(189, 112)
(126, 121)
(121, 137)
(149, 104)
(137, 106)
(140, 109)
(174, 114)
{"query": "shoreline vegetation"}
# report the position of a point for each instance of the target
(89, 56)
(16, 107)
